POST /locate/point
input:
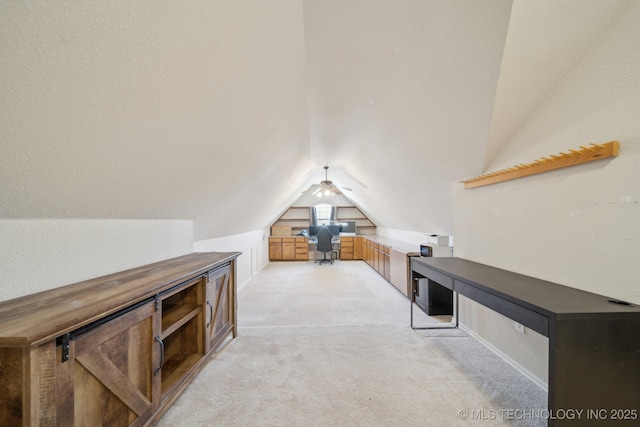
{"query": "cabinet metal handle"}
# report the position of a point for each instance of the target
(157, 371)
(211, 313)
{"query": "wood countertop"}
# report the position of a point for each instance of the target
(65, 308)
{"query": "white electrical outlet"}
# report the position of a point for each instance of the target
(519, 328)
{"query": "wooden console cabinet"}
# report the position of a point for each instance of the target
(115, 350)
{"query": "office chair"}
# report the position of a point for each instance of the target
(324, 245)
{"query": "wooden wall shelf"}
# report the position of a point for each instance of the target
(545, 164)
(298, 218)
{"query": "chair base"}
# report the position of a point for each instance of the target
(325, 259)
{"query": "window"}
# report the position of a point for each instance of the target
(323, 214)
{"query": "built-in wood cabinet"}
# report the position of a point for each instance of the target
(302, 249)
(115, 350)
(351, 247)
(346, 248)
(378, 256)
(294, 248)
(357, 247)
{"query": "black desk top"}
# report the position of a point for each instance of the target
(548, 298)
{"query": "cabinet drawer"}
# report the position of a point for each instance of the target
(346, 255)
(520, 314)
(288, 239)
(441, 279)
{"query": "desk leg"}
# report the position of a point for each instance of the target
(594, 367)
(451, 325)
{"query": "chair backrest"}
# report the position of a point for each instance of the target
(324, 240)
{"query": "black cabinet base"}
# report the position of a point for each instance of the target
(433, 298)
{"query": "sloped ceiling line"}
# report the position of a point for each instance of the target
(545, 40)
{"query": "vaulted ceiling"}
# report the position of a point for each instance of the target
(224, 111)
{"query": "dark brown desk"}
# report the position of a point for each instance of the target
(594, 340)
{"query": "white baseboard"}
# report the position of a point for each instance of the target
(249, 279)
(537, 381)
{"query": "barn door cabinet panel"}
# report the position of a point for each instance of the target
(109, 378)
(116, 350)
(221, 307)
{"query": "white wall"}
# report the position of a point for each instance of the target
(40, 254)
(143, 110)
(254, 246)
(398, 89)
(309, 199)
(413, 237)
(577, 226)
(153, 110)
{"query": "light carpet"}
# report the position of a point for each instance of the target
(330, 345)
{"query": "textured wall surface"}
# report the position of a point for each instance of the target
(152, 110)
(36, 255)
(400, 96)
(545, 41)
(220, 112)
(254, 246)
(577, 226)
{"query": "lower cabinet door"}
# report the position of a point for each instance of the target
(219, 306)
(109, 378)
(275, 249)
(288, 251)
